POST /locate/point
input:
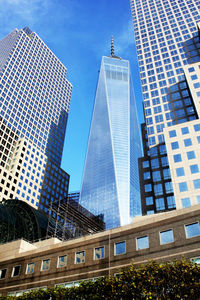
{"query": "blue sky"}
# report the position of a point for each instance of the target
(79, 33)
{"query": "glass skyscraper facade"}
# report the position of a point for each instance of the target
(110, 184)
(34, 105)
(168, 46)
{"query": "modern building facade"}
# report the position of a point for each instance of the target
(168, 49)
(110, 184)
(163, 237)
(34, 105)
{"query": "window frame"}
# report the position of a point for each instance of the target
(170, 229)
(187, 237)
(137, 249)
(12, 274)
(94, 256)
(27, 268)
(115, 254)
(1, 278)
(43, 263)
(58, 261)
(78, 263)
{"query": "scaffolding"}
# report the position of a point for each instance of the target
(68, 219)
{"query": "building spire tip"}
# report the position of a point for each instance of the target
(112, 47)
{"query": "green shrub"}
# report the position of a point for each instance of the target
(177, 280)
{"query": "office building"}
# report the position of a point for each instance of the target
(34, 105)
(26, 266)
(168, 48)
(110, 184)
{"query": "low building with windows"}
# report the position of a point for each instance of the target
(162, 237)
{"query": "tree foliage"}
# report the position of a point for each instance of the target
(171, 280)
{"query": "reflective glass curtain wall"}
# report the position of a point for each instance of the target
(110, 185)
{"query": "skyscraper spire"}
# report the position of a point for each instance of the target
(112, 47)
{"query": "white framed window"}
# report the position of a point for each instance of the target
(80, 257)
(45, 265)
(99, 253)
(16, 271)
(142, 242)
(3, 273)
(192, 230)
(166, 237)
(30, 268)
(62, 261)
(120, 248)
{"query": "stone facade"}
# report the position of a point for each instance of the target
(25, 266)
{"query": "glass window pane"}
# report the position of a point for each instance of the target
(177, 158)
(191, 155)
(180, 172)
(185, 202)
(30, 268)
(185, 130)
(187, 142)
(99, 253)
(183, 186)
(166, 236)
(149, 200)
(196, 183)
(3, 273)
(45, 265)
(194, 169)
(80, 257)
(192, 230)
(62, 261)
(142, 242)
(120, 248)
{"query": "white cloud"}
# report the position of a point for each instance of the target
(125, 38)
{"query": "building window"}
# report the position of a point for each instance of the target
(16, 271)
(172, 133)
(180, 172)
(147, 175)
(45, 265)
(30, 268)
(156, 176)
(147, 188)
(3, 273)
(166, 237)
(187, 142)
(160, 204)
(194, 169)
(197, 127)
(120, 248)
(99, 253)
(158, 190)
(171, 202)
(191, 155)
(196, 183)
(177, 158)
(149, 200)
(195, 260)
(185, 130)
(192, 230)
(198, 199)
(183, 187)
(185, 202)
(62, 261)
(175, 145)
(142, 242)
(80, 257)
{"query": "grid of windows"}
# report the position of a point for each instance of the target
(44, 97)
